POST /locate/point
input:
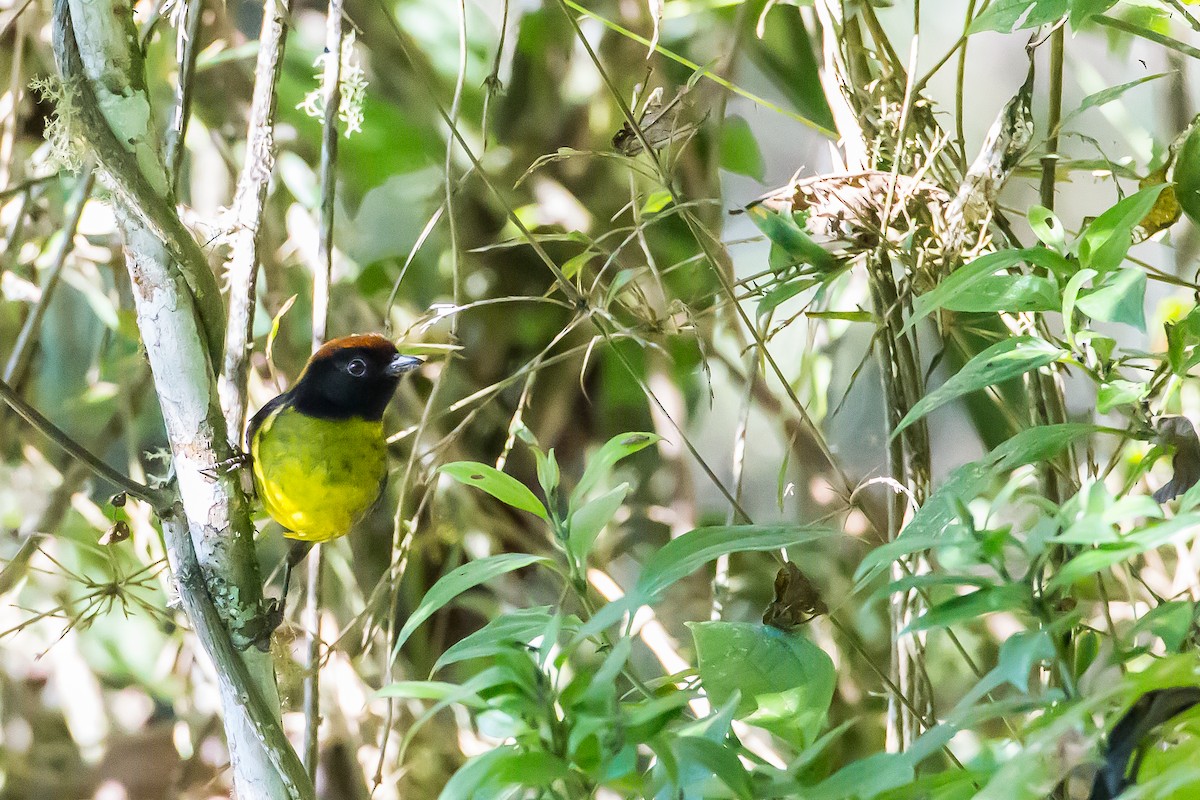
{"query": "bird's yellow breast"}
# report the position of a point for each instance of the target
(318, 477)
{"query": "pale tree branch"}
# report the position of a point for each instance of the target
(178, 309)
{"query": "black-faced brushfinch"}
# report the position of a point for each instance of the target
(318, 451)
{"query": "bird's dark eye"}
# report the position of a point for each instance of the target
(357, 367)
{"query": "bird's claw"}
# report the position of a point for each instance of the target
(234, 462)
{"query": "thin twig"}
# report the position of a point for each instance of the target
(1146, 33)
(155, 497)
(22, 350)
(187, 48)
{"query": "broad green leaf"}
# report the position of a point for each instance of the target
(1083, 10)
(959, 282)
(1103, 245)
(782, 293)
(1121, 297)
(1013, 293)
(589, 519)
(1004, 360)
(504, 488)
(600, 464)
(454, 583)
(784, 680)
(685, 554)
(1007, 597)
(739, 149)
(1006, 16)
(783, 231)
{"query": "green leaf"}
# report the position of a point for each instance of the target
(657, 201)
(739, 149)
(1121, 297)
(1103, 245)
(1104, 96)
(938, 517)
(783, 231)
(1187, 174)
(504, 488)
(431, 690)
(685, 554)
(1006, 16)
(866, 777)
(1000, 362)
(785, 681)
(587, 522)
(1048, 229)
(719, 761)
(1170, 621)
(601, 464)
(1119, 393)
(966, 276)
(486, 776)
(1101, 558)
(1012, 293)
(516, 628)
(1007, 597)
(454, 583)
(1083, 10)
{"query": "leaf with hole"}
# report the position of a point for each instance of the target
(504, 488)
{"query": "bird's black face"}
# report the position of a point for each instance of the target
(351, 377)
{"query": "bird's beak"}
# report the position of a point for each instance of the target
(402, 364)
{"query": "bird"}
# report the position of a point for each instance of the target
(318, 452)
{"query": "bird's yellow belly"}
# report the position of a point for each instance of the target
(317, 477)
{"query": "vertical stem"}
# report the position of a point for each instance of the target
(16, 90)
(1053, 117)
(959, 83)
(247, 212)
(312, 664)
(331, 79)
(186, 50)
(331, 89)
